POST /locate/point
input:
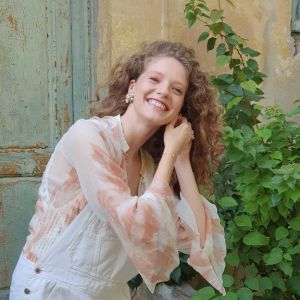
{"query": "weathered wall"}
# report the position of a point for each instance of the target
(124, 25)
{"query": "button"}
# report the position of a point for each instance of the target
(37, 270)
(27, 291)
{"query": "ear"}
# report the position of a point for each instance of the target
(131, 86)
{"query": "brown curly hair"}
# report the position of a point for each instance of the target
(200, 107)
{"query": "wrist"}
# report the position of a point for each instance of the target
(182, 162)
(169, 154)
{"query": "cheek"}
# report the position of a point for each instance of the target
(180, 104)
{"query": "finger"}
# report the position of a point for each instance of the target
(182, 119)
(173, 122)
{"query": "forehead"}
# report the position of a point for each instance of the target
(167, 66)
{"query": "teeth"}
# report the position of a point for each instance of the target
(157, 104)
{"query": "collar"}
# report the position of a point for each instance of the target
(124, 145)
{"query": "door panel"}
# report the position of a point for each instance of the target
(47, 75)
(17, 197)
(22, 75)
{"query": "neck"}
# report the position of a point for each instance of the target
(136, 132)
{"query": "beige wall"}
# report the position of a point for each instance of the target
(124, 25)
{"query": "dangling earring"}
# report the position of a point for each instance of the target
(129, 98)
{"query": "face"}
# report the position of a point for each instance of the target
(159, 91)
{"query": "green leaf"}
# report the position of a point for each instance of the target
(251, 207)
(274, 257)
(296, 172)
(265, 283)
(264, 133)
(235, 155)
(233, 40)
(250, 52)
(216, 15)
(227, 280)
(228, 78)
(293, 194)
(245, 294)
(276, 155)
(254, 255)
(252, 283)
(203, 5)
(275, 198)
(277, 179)
(232, 259)
(251, 271)
(228, 29)
(234, 102)
(286, 267)
(191, 18)
(293, 285)
(280, 233)
(294, 250)
(204, 294)
(221, 49)
(227, 202)
(243, 221)
(252, 64)
(285, 243)
(230, 296)
(211, 43)
(203, 36)
(249, 85)
(267, 163)
(216, 28)
(277, 280)
(235, 89)
(287, 257)
(222, 60)
(295, 223)
(255, 238)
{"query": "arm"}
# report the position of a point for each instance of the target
(190, 192)
(199, 232)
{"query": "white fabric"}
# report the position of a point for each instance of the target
(89, 236)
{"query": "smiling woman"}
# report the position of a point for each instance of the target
(120, 194)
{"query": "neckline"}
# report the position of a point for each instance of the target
(125, 146)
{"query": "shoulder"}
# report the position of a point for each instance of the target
(89, 128)
(89, 131)
(94, 123)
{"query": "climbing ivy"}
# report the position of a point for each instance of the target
(257, 189)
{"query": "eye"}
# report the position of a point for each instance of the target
(153, 79)
(177, 91)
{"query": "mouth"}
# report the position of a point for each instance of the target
(157, 104)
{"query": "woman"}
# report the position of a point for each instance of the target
(105, 210)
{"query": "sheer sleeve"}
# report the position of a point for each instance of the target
(207, 260)
(144, 224)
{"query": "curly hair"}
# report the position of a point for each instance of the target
(200, 107)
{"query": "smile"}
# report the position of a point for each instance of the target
(157, 104)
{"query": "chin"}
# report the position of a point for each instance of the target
(159, 121)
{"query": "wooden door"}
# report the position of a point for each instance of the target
(47, 67)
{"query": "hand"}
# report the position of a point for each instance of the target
(178, 137)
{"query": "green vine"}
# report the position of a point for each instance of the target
(258, 187)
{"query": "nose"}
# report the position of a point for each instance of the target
(163, 89)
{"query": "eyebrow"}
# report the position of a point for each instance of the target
(161, 74)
